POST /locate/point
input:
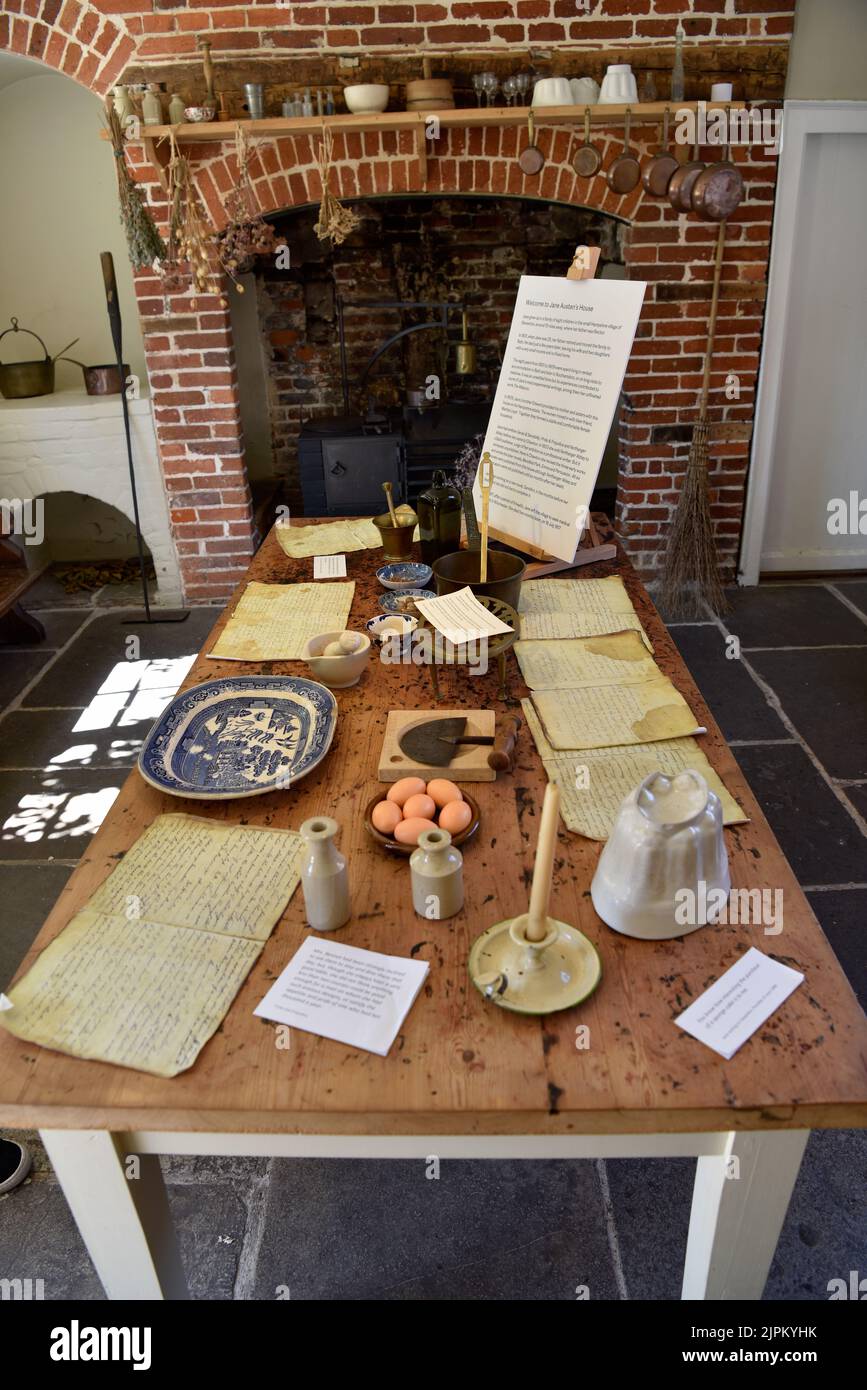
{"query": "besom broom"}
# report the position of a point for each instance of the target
(691, 570)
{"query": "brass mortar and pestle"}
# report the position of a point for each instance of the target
(397, 527)
(533, 963)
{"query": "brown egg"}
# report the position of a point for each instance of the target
(443, 791)
(408, 831)
(420, 805)
(404, 789)
(455, 817)
(385, 816)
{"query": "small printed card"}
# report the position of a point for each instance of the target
(732, 1009)
(329, 566)
(345, 993)
(460, 617)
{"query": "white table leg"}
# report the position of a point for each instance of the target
(739, 1204)
(124, 1218)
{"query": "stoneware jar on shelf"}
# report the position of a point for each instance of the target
(324, 878)
(437, 871)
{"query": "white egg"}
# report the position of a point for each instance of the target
(349, 641)
(333, 649)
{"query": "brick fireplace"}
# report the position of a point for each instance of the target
(190, 348)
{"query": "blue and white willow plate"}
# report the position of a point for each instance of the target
(404, 574)
(241, 736)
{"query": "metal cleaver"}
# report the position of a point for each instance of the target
(436, 741)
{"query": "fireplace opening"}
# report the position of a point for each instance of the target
(353, 361)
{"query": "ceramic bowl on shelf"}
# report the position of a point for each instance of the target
(667, 838)
(585, 92)
(619, 87)
(366, 97)
(338, 672)
(196, 114)
(552, 91)
(404, 574)
(389, 842)
(398, 600)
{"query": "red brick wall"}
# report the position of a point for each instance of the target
(189, 349)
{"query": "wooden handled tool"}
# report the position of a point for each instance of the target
(505, 737)
(386, 487)
(486, 478)
(543, 869)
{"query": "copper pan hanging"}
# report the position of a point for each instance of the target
(718, 190)
(657, 172)
(625, 173)
(587, 160)
(682, 181)
(531, 157)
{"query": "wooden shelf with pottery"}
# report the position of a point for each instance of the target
(642, 113)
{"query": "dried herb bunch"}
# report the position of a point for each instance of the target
(466, 465)
(191, 235)
(144, 243)
(335, 222)
(247, 234)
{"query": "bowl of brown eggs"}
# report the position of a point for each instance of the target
(412, 805)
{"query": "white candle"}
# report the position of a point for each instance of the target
(537, 918)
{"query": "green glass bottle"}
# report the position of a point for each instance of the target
(439, 519)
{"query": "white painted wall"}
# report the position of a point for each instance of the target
(58, 210)
(828, 54)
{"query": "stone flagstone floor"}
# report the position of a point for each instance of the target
(74, 711)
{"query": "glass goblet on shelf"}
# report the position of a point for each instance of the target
(491, 86)
(510, 90)
(478, 86)
(523, 81)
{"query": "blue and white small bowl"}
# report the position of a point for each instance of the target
(404, 574)
(393, 602)
(386, 626)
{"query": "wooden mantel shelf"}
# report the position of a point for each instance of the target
(641, 113)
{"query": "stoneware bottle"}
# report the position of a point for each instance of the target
(123, 104)
(324, 880)
(437, 871)
(152, 107)
(177, 106)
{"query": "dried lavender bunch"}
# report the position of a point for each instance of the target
(466, 465)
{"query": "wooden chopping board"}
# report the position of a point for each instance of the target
(470, 763)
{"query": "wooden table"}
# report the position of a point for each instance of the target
(464, 1079)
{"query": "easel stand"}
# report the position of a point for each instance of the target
(591, 548)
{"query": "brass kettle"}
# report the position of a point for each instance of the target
(465, 353)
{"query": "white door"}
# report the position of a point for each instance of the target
(808, 476)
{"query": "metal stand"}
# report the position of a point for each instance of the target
(113, 305)
(445, 308)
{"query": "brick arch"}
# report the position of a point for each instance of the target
(71, 37)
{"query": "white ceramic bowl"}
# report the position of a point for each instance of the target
(552, 91)
(366, 96)
(585, 92)
(337, 672)
(195, 114)
(618, 86)
(385, 627)
(668, 836)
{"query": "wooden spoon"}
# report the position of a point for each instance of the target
(486, 478)
(386, 487)
(531, 157)
(624, 174)
(587, 160)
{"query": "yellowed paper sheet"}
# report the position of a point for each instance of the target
(575, 662)
(144, 974)
(134, 993)
(611, 715)
(272, 622)
(553, 608)
(188, 871)
(594, 782)
(329, 538)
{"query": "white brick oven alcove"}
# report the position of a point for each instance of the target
(72, 442)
